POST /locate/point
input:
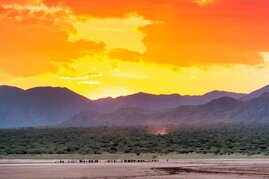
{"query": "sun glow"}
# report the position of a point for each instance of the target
(202, 2)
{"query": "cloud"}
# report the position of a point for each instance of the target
(124, 54)
(78, 78)
(89, 82)
(223, 32)
(103, 8)
(38, 33)
(204, 2)
(35, 37)
(74, 78)
(114, 32)
(191, 33)
(22, 2)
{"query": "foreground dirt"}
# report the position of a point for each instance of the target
(193, 169)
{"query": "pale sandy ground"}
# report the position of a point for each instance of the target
(194, 169)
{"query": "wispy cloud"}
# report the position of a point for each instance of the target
(89, 82)
(77, 78)
(74, 78)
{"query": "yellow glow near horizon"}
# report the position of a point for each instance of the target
(99, 76)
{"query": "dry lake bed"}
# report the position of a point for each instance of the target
(194, 169)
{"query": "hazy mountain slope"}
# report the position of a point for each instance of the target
(225, 110)
(8, 97)
(256, 93)
(217, 111)
(219, 94)
(160, 102)
(254, 110)
(45, 106)
(121, 117)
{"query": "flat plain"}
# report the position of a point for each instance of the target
(184, 168)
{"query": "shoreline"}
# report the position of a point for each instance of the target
(174, 168)
(100, 162)
(143, 156)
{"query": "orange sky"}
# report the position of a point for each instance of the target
(102, 48)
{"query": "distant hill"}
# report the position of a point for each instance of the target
(39, 106)
(217, 111)
(221, 111)
(160, 102)
(121, 117)
(219, 94)
(254, 110)
(256, 93)
(8, 97)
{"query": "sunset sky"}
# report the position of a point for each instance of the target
(101, 48)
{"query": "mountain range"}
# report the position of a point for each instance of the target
(53, 106)
(42, 106)
(160, 102)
